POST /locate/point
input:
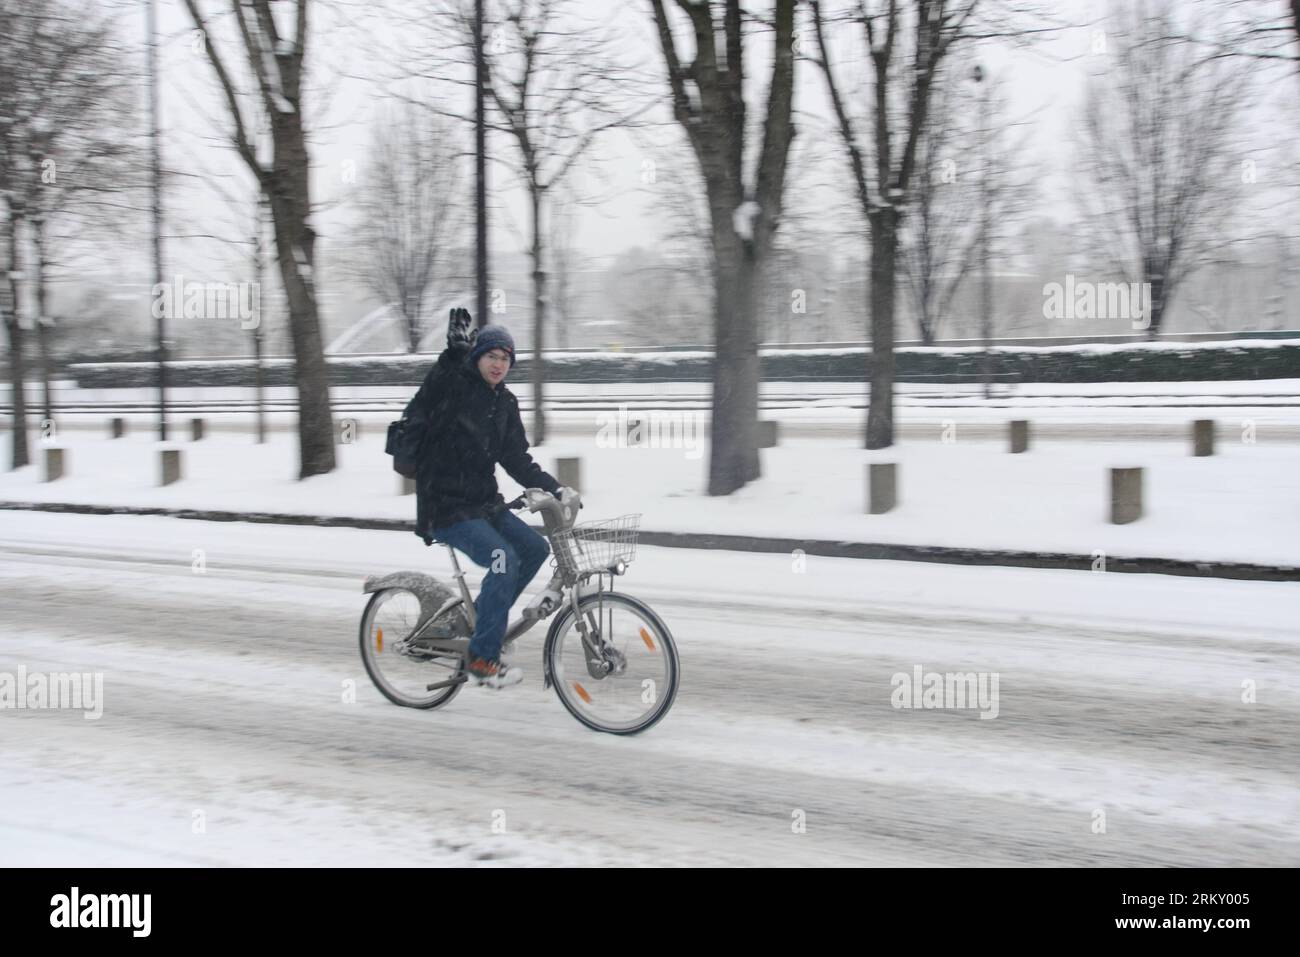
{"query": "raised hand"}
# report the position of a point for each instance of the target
(461, 332)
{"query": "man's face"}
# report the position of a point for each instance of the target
(493, 366)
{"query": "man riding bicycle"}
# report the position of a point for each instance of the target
(471, 423)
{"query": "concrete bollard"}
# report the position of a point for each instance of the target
(882, 487)
(1019, 435)
(118, 427)
(568, 472)
(405, 486)
(767, 433)
(1125, 495)
(171, 466)
(196, 431)
(55, 461)
(1203, 437)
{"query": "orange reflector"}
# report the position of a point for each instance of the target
(379, 641)
(582, 692)
(649, 642)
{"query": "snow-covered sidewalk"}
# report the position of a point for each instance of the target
(1240, 505)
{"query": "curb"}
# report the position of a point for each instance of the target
(937, 554)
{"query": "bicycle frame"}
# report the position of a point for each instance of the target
(566, 582)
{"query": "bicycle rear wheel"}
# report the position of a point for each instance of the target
(629, 681)
(403, 670)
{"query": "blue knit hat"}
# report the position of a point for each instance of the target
(493, 337)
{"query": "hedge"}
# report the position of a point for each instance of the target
(1145, 362)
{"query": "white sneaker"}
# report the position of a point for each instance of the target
(492, 674)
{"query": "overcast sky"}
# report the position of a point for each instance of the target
(1045, 83)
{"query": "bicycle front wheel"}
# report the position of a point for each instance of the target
(626, 679)
(401, 669)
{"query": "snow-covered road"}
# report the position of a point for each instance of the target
(229, 735)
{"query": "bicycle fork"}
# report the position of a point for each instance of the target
(602, 658)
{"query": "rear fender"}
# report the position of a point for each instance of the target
(435, 595)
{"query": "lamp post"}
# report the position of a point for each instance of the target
(480, 169)
(156, 194)
(986, 283)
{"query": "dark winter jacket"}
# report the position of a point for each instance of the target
(469, 427)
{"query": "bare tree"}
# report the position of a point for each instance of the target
(555, 91)
(411, 214)
(907, 41)
(1158, 144)
(708, 100)
(87, 195)
(883, 191)
(1260, 30)
(970, 157)
(62, 144)
(91, 182)
(276, 60)
(939, 241)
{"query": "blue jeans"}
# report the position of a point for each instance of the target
(512, 553)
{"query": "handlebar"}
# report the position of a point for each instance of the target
(518, 503)
(536, 499)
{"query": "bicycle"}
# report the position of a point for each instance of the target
(617, 676)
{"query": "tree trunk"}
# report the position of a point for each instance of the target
(926, 320)
(561, 317)
(1158, 308)
(880, 410)
(295, 244)
(539, 319)
(42, 329)
(20, 454)
(411, 313)
(733, 432)
(17, 377)
(1153, 274)
(717, 130)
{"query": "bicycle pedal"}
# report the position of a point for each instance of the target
(543, 604)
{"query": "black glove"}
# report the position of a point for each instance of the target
(461, 332)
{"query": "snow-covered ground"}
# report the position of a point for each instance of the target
(957, 487)
(1106, 412)
(227, 736)
(833, 394)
